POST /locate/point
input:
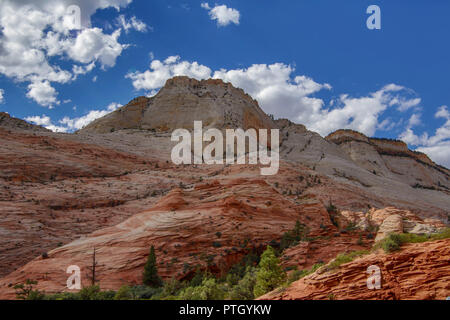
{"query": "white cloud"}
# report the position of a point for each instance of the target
(406, 104)
(281, 93)
(79, 70)
(46, 122)
(222, 14)
(32, 32)
(436, 146)
(132, 24)
(92, 44)
(43, 93)
(72, 124)
(2, 95)
(160, 71)
(439, 153)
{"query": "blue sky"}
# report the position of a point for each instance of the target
(314, 62)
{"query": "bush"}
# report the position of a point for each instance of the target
(89, 293)
(25, 291)
(292, 237)
(244, 288)
(394, 241)
(391, 244)
(298, 274)
(124, 293)
(208, 290)
(144, 292)
(270, 274)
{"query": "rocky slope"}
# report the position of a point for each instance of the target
(419, 271)
(10, 123)
(392, 159)
(112, 187)
(211, 224)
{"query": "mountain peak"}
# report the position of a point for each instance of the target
(182, 101)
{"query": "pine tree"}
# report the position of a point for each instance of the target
(270, 274)
(150, 276)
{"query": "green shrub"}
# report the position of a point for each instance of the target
(243, 290)
(24, 291)
(124, 293)
(144, 292)
(293, 236)
(270, 274)
(394, 241)
(208, 290)
(298, 274)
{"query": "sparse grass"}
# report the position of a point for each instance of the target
(345, 258)
(298, 274)
(394, 241)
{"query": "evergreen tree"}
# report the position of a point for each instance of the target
(270, 274)
(150, 276)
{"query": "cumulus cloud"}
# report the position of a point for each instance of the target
(132, 24)
(437, 146)
(160, 71)
(92, 45)
(2, 95)
(43, 93)
(33, 33)
(46, 122)
(285, 95)
(222, 14)
(72, 124)
(80, 70)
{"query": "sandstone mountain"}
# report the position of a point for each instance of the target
(112, 187)
(181, 102)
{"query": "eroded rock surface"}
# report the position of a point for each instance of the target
(419, 271)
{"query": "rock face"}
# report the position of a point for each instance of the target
(372, 166)
(210, 225)
(181, 102)
(419, 271)
(9, 123)
(392, 224)
(113, 186)
(392, 159)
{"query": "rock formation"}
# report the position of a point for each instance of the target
(181, 102)
(419, 271)
(10, 123)
(112, 186)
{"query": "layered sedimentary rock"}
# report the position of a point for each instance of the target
(210, 225)
(392, 159)
(113, 186)
(419, 271)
